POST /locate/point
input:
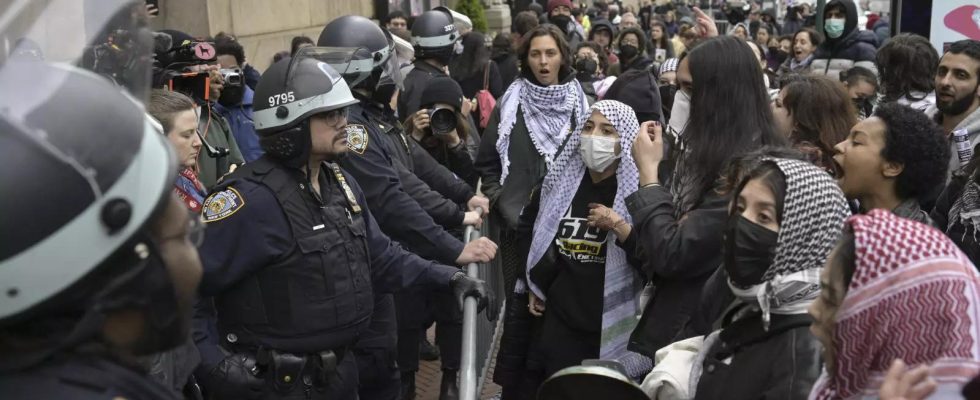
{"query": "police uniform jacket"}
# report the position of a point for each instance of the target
(406, 207)
(292, 271)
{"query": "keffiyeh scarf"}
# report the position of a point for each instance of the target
(548, 114)
(913, 296)
(966, 209)
(621, 290)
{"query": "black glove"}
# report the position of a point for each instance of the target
(463, 286)
(235, 378)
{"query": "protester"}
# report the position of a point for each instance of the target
(502, 53)
(893, 160)
(475, 71)
(235, 103)
(779, 52)
(632, 45)
(639, 90)
(845, 46)
(589, 63)
(675, 226)
(532, 121)
(862, 87)
(628, 20)
(560, 15)
(793, 21)
(805, 43)
(250, 74)
(907, 68)
(602, 33)
(686, 35)
(396, 21)
(894, 288)
(668, 86)
(577, 301)
(768, 76)
(740, 31)
(762, 33)
(815, 113)
(177, 114)
(785, 218)
(958, 98)
(523, 23)
(670, 20)
(660, 47)
(447, 146)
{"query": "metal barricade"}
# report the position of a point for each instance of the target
(479, 333)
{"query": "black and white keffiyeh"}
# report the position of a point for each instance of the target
(621, 289)
(548, 114)
(814, 211)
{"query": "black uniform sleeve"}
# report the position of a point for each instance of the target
(443, 211)
(397, 213)
(488, 160)
(461, 164)
(392, 267)
(437, 176)
(674, 247)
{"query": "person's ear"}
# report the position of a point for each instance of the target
(892, 169)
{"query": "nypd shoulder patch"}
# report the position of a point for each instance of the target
(223, 204)
(357, 138)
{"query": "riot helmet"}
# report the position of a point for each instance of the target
(83, 192)
(293, 90)
(434, 35)
(375, 68)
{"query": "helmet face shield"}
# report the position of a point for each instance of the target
(108, 37)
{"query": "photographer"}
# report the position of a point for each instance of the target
(442, 130)
(183, 70)
(235, 103)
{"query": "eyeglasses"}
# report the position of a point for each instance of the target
(334, 117)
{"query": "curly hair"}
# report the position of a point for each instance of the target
(640, 37)
(907, 63)
(918, 143)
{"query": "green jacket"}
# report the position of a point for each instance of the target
(218, 135)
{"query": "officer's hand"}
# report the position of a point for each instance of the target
(479, 202)
(234, 378)
(421, 119)
(478, 251)
(463, 286)
(472, 218)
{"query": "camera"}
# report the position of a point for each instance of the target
(231, 76)
(442, 120)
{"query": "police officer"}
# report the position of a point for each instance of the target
(96, 262)
(292, 255)
(399, 178)
(435, 38)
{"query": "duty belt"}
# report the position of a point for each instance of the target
(285, 370)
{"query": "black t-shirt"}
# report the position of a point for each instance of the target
(574, 282)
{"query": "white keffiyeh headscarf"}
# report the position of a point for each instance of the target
(621, 289)
(548, 114)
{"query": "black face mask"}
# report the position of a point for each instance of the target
(628, 51)
(586, 69)
(231, 96)
(561, 21)
(667, 93)
(749, 251)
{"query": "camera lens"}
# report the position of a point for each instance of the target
(442, 121)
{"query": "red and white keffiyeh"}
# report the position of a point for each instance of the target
(913, 296)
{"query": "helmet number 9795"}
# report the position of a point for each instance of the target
(282, 98)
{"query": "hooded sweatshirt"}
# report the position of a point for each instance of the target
(854, 48)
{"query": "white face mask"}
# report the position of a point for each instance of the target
(680, 112)
(598, 152)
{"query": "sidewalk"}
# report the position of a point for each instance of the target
(429, 377)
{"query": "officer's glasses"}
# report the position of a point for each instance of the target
(335, 118)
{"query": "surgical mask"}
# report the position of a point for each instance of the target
(628, 51)
(834, 27)
(749, 251)
(598, 152)
(680, 112)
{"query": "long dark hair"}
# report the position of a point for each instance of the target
(907, 63)
(474, 58)
(663, 42)
(822, 112)
(730, 115)
(558, 37)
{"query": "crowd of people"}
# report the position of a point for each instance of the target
(779, 210)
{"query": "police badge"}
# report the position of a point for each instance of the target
(357, 138)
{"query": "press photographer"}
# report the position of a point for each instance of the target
(190, 66)
(443, 130)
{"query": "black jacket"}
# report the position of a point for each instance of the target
(781, 363)
(965, 239)
(416, 80)
(82, 377)
(854, 48)
(680, 253)
(508, 70)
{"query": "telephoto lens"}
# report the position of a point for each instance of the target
(442, 120)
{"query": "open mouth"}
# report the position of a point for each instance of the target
(544, 71)
(838, 169)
